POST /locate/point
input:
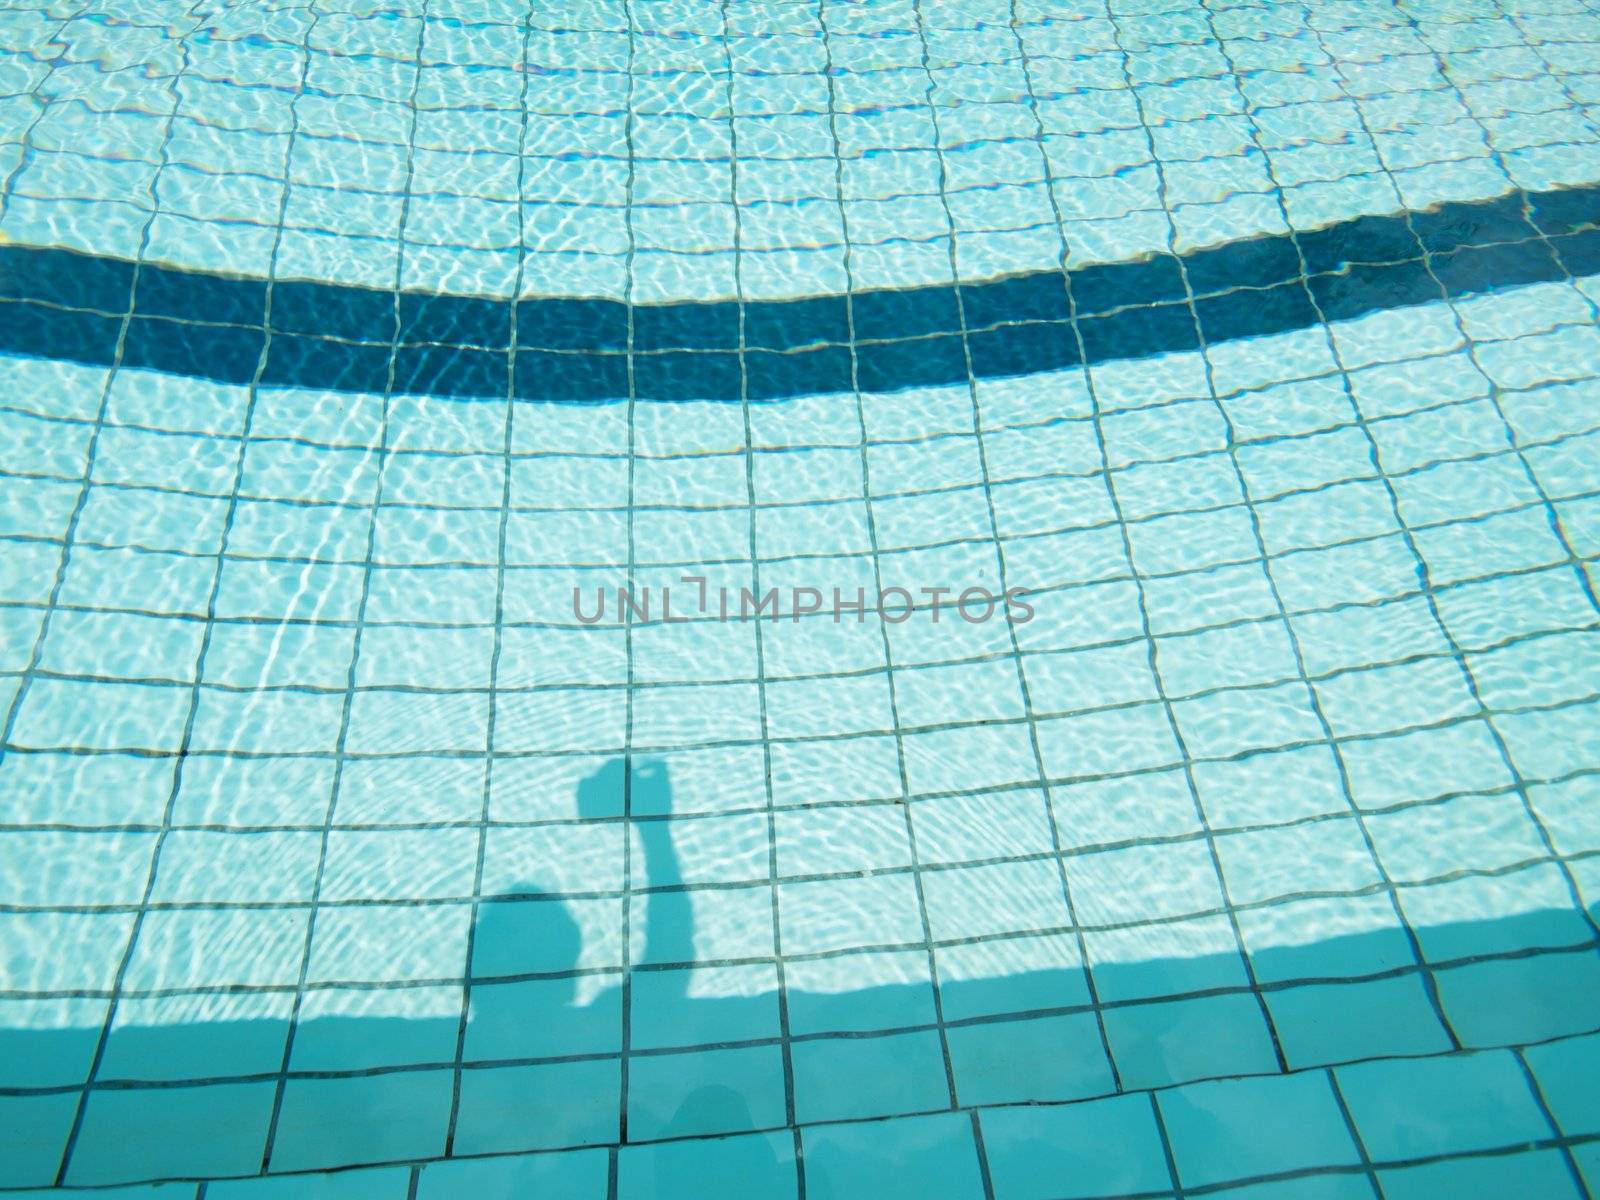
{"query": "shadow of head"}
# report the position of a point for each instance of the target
(525, 933)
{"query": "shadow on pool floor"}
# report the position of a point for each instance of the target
(542, 1071)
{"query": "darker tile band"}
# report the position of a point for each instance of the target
(59, 304)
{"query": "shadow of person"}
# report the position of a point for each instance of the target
(641, 1052)
(680, 1060)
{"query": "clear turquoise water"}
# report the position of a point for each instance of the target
(344, 855)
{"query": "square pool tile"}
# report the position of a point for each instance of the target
(1414, 1108)
(1177, 1041)
(1325, 1023)
(33, 1133)
(701, 1092)
(1513, 1000)
(539, 1107)
(1024, 1062)
(932, 1158)
(757, 1166)
(1108, 1147)
(1541, 1173)
(839, 1078)
(1241, 1128)
(1567, 1073)
(579, 1174)
(361, 1119)
(377, 1183)
(214, 1129)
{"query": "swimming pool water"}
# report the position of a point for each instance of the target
(789, 598)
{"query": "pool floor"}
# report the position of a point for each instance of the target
(789, 599)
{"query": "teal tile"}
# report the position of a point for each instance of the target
(1587, 1156)
(761, 1166)
(1176, 1041)
(1517, 1000)
(155, 1040)
(545, 1106)
(381, 1183)
(934, 1157)
(705, 1092)
(536, 1018)
(362, 1119)
(702, 1006)
(339, 1031)
(895, 993)
(1140, 962)
(580, 1174)
(33, 1136)
(1412, 1108)
(1098, 1148)
(138, 1191)
(1321, 1024)
(1239, 1128)
(1566, 1072)
(997, 978)
(1347, 1185)
(48, 1056)
(1358, 935)
(1542, 1173)
(840, 1078)
(215, 1129)
(1046, 1058)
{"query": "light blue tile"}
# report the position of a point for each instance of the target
(1175, 957)
(1327, 856)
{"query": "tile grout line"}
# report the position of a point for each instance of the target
(631, 282)
(1175, 729)
(384, 449)
(125, 960)
(1425, 971)
(508, 433)
(773, 876)
(1425, 569)
(875, 558)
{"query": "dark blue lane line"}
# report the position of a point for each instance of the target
(59, 304)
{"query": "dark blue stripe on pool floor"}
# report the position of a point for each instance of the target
(60, 304)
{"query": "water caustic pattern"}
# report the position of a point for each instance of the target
(635, 599)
